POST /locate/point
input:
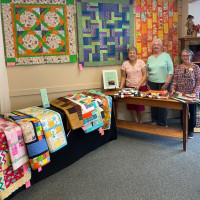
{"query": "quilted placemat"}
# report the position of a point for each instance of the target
(72, 111)
(103, 104)
(10, 180)
(39, 32)
(52, 126)
(15, 142)
(105, 31)
(107, 107)
(34, 139)
(90, 111)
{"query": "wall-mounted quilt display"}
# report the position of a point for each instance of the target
(105, 31)
(39, 31)
(157, 18)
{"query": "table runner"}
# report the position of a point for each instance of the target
(15, 142)
(52, 126)
(33, 137)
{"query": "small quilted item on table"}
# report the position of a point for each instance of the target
(72, 111)
(107, 108)
(159, 94)
(52, 126)
(185, 98)
(104, 105)
(15, 142)
(91, 112)
(10, 180)
(34, 139)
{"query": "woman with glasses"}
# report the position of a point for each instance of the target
(187, 80)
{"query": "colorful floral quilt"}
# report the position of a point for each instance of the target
(10, 180)
(52, 126)
(34, 139)
(17, 148)
(39, 32)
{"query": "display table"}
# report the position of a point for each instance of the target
(79, 144)
(149, 128)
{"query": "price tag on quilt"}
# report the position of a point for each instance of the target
(45, 99)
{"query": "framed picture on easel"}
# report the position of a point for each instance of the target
(110, 79)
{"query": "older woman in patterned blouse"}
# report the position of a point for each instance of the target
(187, 80)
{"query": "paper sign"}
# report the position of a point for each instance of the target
(80, 67)
(45, 99)
(84, 128)
(100, 130)
(68, 133)
(39, 169)
(11, 63)
(28, 184)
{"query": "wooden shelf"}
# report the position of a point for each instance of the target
(149, 128)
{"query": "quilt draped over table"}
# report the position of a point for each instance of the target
(10, 180)
(15, 142)
(89, 110)
(33, 137)
(52, 126)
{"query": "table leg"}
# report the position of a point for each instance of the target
(185, 125)
(116, 111)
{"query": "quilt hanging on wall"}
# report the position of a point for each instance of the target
(157, 18)
(105, 31)
(39, 31)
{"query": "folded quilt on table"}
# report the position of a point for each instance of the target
(15, 142)
(107, 103)
(52, 126)
(33, 137)
(10, 180)
(91, 112)
(72, 111)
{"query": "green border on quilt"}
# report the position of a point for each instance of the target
(73, 58)
(80, 32)
(10, 60)
(5, 1)
(68, 2)
(46, 46)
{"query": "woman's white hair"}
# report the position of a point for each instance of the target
(157, 40)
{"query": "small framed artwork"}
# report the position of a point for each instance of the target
(110, 79)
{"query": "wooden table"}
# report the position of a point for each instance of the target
(149, 128)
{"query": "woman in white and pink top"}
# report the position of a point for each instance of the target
(134, 75)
